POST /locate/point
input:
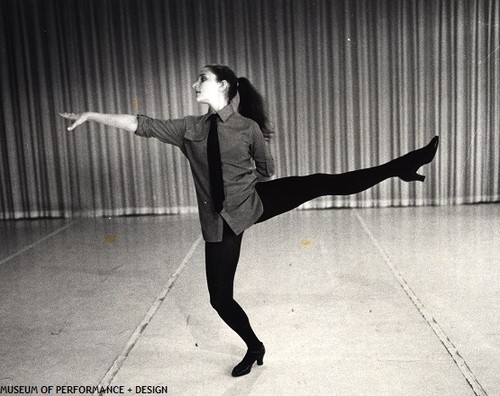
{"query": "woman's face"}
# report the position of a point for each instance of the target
(208, 89)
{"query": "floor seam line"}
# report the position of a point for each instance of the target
(148, 317)
(443, 337)
(32, 245)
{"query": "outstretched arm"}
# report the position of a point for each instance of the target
(121, 121)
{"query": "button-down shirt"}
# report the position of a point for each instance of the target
(245, 159)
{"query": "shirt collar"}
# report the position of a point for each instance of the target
(224, 113)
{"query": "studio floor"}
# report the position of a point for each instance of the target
(397, 301)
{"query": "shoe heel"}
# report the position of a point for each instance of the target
(260, 361)
(410, 163)
(419, 177)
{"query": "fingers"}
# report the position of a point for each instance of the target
(70, 116)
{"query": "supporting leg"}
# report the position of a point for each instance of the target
(221, 262)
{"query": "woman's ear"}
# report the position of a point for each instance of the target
(224, 86)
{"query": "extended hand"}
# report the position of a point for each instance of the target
(79, 118)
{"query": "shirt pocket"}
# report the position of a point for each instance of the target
(194, 134)
(195, 143)
(235, 147)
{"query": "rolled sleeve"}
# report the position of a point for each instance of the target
(167, 131)
(264, 162)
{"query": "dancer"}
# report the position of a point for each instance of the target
(231, 163)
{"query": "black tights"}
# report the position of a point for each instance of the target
(221, 260)
(282, 195)
(277, 196)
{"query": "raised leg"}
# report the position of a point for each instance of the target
(282, 195)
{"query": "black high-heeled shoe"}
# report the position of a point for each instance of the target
(245, 366)
(406, 166)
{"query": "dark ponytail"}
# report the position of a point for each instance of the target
(252, 105)
(251, 102)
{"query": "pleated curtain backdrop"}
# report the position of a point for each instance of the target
(349, 84)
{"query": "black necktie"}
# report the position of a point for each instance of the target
(215, 165)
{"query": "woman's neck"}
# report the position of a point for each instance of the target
(219, 104)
